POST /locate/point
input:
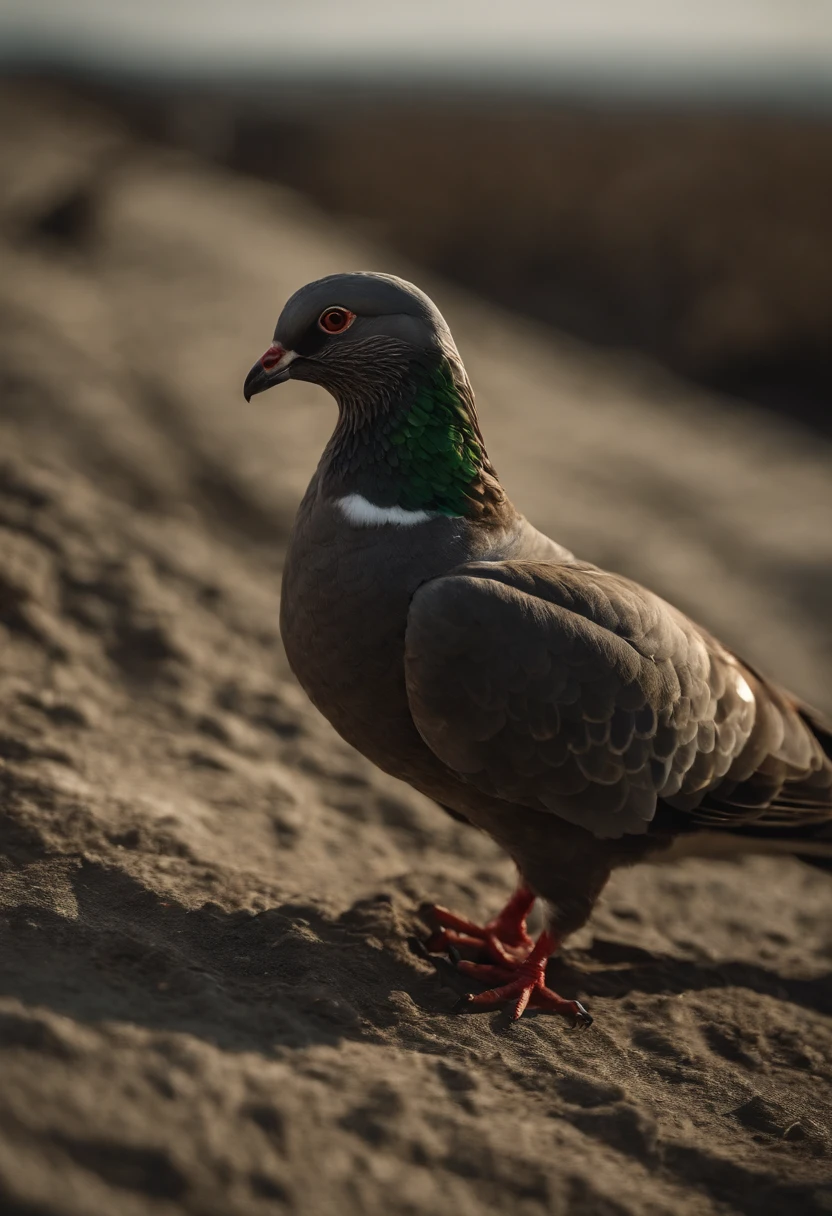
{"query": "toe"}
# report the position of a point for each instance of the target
(449, 920)
(446, 939)
(485, 972)
(512, 991)
(521, 1002)
(549, 1001)
(504, 954)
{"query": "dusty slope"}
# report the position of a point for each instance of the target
(208, 1002)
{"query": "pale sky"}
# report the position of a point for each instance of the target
(749, 35)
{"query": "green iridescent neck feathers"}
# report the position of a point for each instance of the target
(436, 447)
(413, 442)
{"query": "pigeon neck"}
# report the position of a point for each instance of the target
(415, 454)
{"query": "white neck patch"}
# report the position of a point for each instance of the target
(362, 513)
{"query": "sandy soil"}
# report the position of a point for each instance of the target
(208, 1003)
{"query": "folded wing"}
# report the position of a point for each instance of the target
(575, 691)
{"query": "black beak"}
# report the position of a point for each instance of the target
(272, 368)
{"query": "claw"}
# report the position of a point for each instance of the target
(448, 975)
(420, 948)
(583, 1020)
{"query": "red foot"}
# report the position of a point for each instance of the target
(524, 984)
(505, 938)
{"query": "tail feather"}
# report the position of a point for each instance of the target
(822, 730)
(819, 725)
(820, 863)
(797, 819)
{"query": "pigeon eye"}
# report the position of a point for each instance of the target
(335, 320)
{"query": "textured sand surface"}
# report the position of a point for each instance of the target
(208, 1004)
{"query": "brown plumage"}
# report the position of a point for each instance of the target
(577, 718)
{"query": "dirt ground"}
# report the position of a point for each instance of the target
(208, 1003)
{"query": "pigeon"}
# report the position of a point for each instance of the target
(575, 717)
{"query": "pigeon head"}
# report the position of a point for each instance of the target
(407, 436)
(355, 335)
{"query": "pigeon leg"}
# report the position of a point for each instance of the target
(505, 938)
(524, 986)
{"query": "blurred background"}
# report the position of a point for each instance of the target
(648, 175)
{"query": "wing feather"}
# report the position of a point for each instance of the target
(571, 690)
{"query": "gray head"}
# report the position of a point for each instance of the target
(354, 334)
(407, 435)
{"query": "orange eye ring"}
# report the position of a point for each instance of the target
(335, 319)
